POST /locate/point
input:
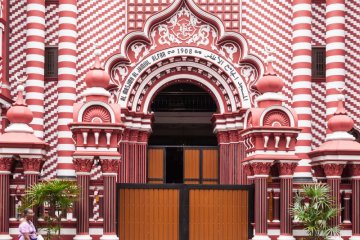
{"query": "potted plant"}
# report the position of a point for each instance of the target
(314, 208)
(58, 196)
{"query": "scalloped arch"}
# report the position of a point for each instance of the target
(96, 114)
(276, 118)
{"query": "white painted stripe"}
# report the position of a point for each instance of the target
(67, 83)
(301, 45)
(35, 57)
(302, 110)
(67, 7)
(302, 97)
(65, 173)
(302, 58)
(67, 45)
(335, 72)
(34, 82)
(304, 136)
(36, 19)
(335, 33)
(302, 71)
(37, 121)
(35, 70)
(304, 123)
(302, 84)
(302, 7)
(335, 7)
(64, 134)
(68, 33)
(302, 33)
(70, 96)
(67, 109)
(35, 32)
(330, 111)
(67, 20)
(303, 149)
(335, 84)
(333, 97)
(66, 70)
(335, 20)
(35, 7)
(64, 121)
(67, 58)
(38, 45)
(36, 108)
(336, 58)
(301, 20)
(65, 147)
(335, 46)
(35, 95)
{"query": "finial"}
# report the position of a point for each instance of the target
(20, 89)
(97, 53)
(269, 59)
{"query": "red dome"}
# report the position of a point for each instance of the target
(19, 112)
(270, 82)
(340, 122)
(97, 76)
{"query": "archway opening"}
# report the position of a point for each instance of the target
(183, 131)
(183, 116)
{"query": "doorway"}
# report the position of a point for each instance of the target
(174, 165)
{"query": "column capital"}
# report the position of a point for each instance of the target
(287, 169)
(32, 165)
(83, 164)
(223, 137)
(110, 165)
(261, 168)
(248, 170)
(6, 164)
(355, 170)
(333, 169)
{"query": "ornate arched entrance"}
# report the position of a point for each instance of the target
(183, 43)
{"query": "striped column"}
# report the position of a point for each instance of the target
(35, 51)
(5, 167)
(124, 151)
(335, 53)
(109, 168)
(223, 140)
(83, 168)
(333, 175)
(355, 207)
(261, 173)
(301, 48)
(66, 84)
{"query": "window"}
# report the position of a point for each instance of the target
(318, 63)
(51, 63)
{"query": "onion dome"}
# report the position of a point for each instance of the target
(97, 76)
(270, 82)
(340, 121)
(19, 112)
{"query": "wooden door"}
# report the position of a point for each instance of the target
(210, 166)
(192, 166)
(156, 159)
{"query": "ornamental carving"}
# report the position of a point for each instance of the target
(276, 118)
(248, 170)
(96, 114)
(32, 164)
(355, 170)
(333, 169)
(109, 165)
(287, 168)
(250, 75)
(261, 168)
(83, 165)
(6, 164)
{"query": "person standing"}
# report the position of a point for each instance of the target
(27, 230)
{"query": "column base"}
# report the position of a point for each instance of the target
(5, 237)
(356, 237)
(286, 237)
(82, 237)
(261, 237)
(109, 237)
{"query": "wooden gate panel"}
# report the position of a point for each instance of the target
(191, 166)
(151, 214)
(210, 166)
(218, 214)
(156, 165)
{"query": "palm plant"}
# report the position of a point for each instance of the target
(314, 207)
(58, 195)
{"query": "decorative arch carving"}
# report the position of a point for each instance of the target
(276, 118)
(202, 36)
(96, 114)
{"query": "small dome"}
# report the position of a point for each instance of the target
(270, 82)
(97, 76)
(340, 122)
(19, 112)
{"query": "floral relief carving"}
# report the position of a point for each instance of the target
(276, 118)
(261, 168)
(287, 168)
(333, 169)
(32, 164)
(83, 164)
(6, 164)
(109, 165)
(96, 114)
(355, 170)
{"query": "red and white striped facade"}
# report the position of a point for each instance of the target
(239, 33)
